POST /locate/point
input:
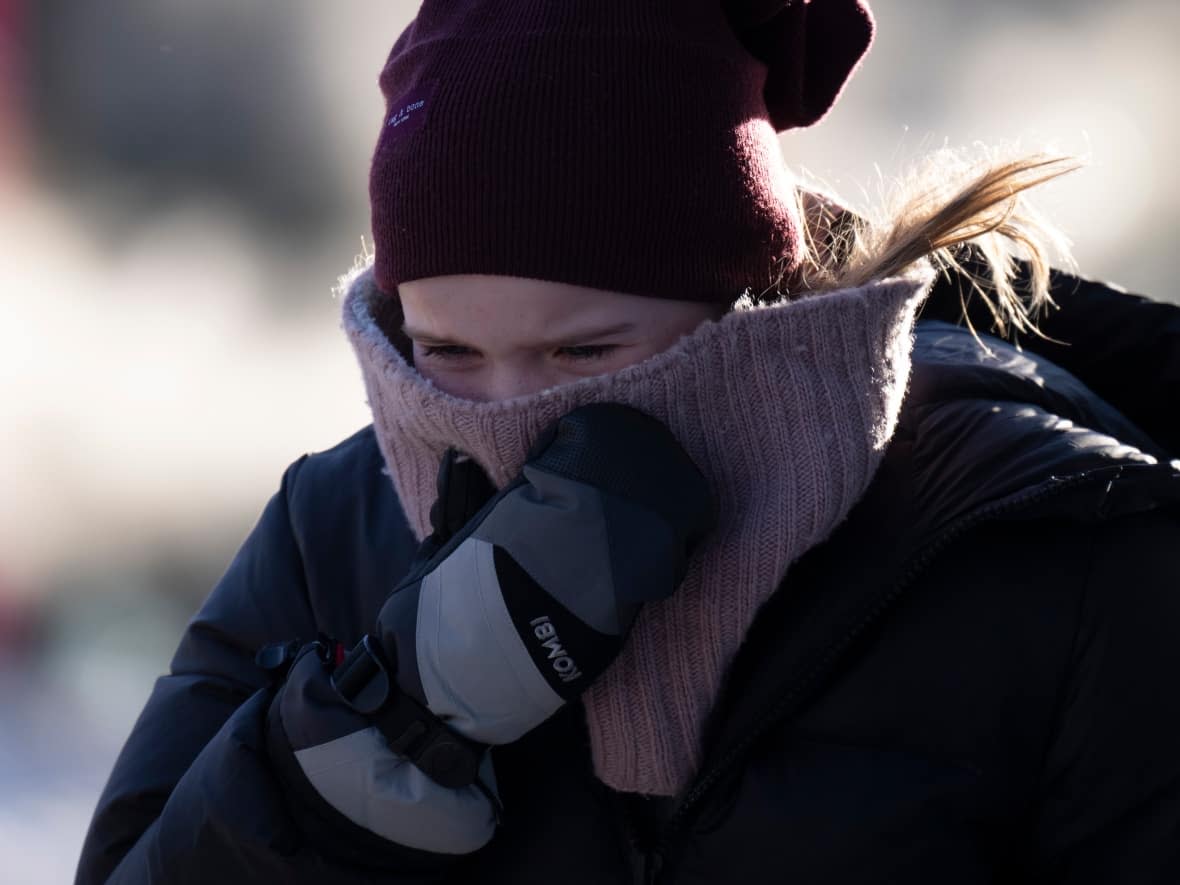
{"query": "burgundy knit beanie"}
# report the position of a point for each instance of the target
(615, 144)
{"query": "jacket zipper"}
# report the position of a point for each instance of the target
(653, 858)
(653, 863)
(644, 861)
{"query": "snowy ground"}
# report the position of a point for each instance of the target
(52, 767)
(66, 707)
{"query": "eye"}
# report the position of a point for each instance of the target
(445, 351)
(585, 351)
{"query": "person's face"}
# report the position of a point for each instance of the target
(482, 337)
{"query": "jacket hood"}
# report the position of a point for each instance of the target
(986, 422)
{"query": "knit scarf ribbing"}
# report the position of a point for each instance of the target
(786, 409)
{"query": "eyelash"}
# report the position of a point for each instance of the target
(584, 351)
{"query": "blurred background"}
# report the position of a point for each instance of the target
(180, 186)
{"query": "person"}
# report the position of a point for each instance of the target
(701, 534)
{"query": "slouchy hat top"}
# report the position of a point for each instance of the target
(620, 145)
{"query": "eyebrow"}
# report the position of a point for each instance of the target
(581, 337)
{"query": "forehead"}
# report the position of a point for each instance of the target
(483, 306)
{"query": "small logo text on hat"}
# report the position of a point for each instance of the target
(412, 109)
(403, 113)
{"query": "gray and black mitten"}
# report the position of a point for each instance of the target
(504, 618)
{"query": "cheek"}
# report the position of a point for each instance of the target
(639, 352)
(488, 382)
(464, 385)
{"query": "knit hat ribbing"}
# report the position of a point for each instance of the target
(618, 145)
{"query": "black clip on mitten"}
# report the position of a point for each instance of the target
(365, 681)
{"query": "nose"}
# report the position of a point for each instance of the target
(508, 381)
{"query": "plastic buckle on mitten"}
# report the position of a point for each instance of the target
(413, 731)
(276, 658)
(362, 679)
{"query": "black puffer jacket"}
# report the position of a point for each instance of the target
(974, 680)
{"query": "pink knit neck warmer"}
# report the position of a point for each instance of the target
(785, 408)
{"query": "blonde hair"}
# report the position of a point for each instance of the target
(961, 214)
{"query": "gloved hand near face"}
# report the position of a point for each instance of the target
(514, 608)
